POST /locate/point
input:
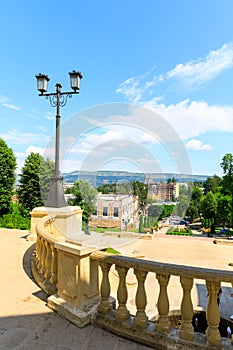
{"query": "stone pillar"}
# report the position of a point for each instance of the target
(66, 221)
(78, 284)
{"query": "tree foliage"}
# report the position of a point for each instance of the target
(7, 176)
(227, 183)
(141, 190)
(123, 187)
(85, 197)
(209, 209)
(34, 181)
(194, 210)
(15, 219)
(155, 210)
(212, 184)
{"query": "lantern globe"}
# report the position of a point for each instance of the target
(42, 82)
(75, 78)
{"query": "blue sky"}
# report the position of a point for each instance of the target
(173, 57)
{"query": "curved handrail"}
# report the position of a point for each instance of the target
(164, 268)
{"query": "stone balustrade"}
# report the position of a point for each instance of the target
(44, 259)
(159, 334)
(77, 279)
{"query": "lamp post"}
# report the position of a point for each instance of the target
(56, 198)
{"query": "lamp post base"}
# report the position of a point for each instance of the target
(56, 197)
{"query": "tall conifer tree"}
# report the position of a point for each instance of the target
(7, 176)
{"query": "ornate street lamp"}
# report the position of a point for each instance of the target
(56, 198)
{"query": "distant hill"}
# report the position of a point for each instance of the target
(107, 177)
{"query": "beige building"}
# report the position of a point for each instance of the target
(116, 211)
(163, 191)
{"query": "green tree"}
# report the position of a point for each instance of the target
(209, 209)
(186, 189)
(155, 210)
(141, 224)
(107, 188)
(168, 210)
(171, 180)
(182, 205)
(85, 197)
(47, 170)
(223, 216)
(193, 210)
(34, 181)
(140, 190)
(7, 176)
(212, 184)
(227, 183)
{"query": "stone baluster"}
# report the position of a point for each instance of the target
(38, 250)
(163, 303)
(105, 306)
(44, 257)
(212, 314)
(122, 313)
(186, 330)
(53, 278)
(141, 318)
(42, 248)
(48, 262)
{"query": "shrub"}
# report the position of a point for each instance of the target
(15, 220)
(179, 231)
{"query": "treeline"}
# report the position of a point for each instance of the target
(211, 201)
(18, 199)
(213, 204)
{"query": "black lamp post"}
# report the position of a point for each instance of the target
(56, 198)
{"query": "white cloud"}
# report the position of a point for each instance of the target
(42, 128)
(49, 116)
(197, 145)
(34, 149)
(134, 87)
(16, 137)
(147, 139)
(193, 118)
(131, 90)
(69, 165)
(11, 106)
(204, 69)
(3, 99)
(195, 72)
(113, 133)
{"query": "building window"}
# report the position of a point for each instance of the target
(116, 212)
(105, 211)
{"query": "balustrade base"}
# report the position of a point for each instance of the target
(151, 337)
(80, 316)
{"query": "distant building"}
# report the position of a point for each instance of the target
(163, 191)
(115, 211)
